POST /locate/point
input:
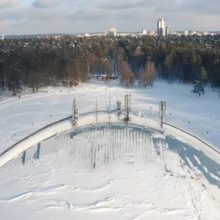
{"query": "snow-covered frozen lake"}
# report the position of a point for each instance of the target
(115, 172)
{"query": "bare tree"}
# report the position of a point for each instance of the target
(148, 74)
(127, 76)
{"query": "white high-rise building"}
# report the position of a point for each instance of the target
(161, 28)
(144, 32)
(112, 32)
(168, 30)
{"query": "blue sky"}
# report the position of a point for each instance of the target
(74, 16)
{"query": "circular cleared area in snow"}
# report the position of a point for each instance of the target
(111, 172)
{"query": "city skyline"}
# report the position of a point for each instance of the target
(81, 16)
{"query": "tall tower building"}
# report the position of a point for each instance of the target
(161, 28)
(168, 30)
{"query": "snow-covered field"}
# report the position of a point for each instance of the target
(20, 117)
(111, 173)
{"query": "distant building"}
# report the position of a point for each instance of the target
(123, 34)
(144, 32)
(168, 30)
(161, 28)
(191, 33)
(112, 32)
(57, 37)
(86, 35)
(186, 32)
(152, 33)
(80, 35)
(2, 37)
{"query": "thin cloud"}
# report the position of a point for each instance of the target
(71, 16)
(45, 3)
(5, 4)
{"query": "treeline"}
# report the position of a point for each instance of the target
(66, 61)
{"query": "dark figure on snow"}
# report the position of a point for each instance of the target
(198, 88)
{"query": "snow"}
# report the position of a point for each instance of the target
(112, 172)
(198, 115)
(103, 117)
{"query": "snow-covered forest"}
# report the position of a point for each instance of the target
(111, 170)
(68, 60)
